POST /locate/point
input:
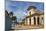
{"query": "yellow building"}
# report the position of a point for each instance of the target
(34, 17)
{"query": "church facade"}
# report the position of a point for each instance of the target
(34, 17)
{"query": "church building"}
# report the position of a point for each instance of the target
(34, 17)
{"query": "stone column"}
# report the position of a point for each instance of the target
(39, 20)
(32, 20)
(36, 19)
(28, 21)
(25, 21)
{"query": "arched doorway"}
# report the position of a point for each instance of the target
(38, 20)
(30, 21)
(34, 21)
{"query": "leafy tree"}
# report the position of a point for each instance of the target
(14, 18)
(11, 14)
(6, 13)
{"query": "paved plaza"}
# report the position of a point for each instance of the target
(22, 27)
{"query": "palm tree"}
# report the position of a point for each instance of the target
(14, 21)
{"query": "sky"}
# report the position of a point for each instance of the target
(19, 8)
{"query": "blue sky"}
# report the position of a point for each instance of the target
(19, 8)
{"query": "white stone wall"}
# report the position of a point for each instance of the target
(28, 21)
(36, 19)
(28, 13)
(32, 11)
(25, 21)
(32, 20)
(41, 20)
